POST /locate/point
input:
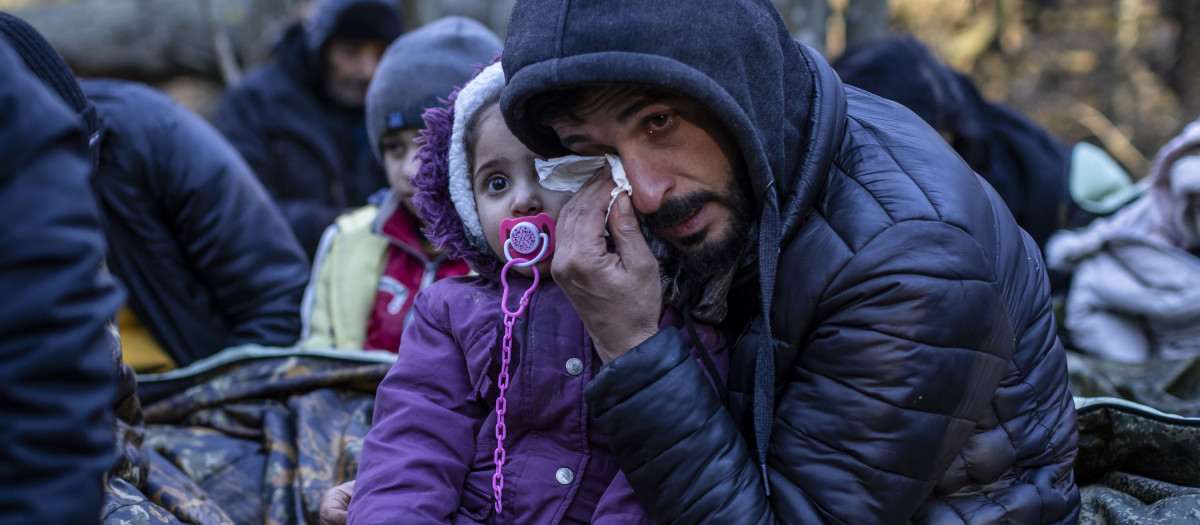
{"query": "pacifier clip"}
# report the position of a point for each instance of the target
(523, 237)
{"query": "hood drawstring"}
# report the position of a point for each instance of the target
(706, 357)
(764, 363)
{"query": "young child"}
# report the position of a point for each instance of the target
(372, 261)
(456, 403)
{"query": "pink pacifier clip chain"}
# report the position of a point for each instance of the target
(502, 381)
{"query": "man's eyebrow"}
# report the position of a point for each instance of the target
(634, 108)
(571, 140)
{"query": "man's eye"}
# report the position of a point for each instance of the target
(497, 184)
(658, 123)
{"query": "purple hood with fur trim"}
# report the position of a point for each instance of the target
(443, 225)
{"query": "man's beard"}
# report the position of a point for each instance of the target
(349, 92)
(690, 260)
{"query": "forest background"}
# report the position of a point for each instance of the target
(1122, 74)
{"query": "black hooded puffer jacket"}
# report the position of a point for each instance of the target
(910, 370)
(310, 153)
(209, 262)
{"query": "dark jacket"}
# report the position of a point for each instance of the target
(312, 155)
(208, 260)
(898, 360)
(1025, 164)
(57, 380)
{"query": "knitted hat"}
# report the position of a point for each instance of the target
(422, 67)
(358, 19)
(442, 185)
(44, 61)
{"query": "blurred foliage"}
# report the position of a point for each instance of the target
(1097, 70)
(1119, 73)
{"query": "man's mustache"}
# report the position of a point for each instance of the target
(355, 83)
(677, 209)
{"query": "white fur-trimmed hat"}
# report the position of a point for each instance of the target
(471, 99)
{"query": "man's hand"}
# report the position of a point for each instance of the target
(335, 503)
(617, 295)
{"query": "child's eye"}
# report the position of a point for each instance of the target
(394, 148)
(496, 184)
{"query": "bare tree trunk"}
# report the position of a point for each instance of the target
(865, 20)
(807, 20)
(153, 40)
(1183, 75)
(499, 15)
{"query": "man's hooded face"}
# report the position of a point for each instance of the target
(689, 186)
(349, 67)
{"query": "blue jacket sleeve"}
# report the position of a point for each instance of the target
(56, 355)
(240, 119)
(238, 241)
(665, 424)
(908, 343)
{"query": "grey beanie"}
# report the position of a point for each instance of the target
(362, 19)
(421, 67)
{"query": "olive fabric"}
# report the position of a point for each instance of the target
(1136, 465)
(249, 435)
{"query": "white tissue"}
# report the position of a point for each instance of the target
(570, 172)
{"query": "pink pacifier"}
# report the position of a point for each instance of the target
(525, 236)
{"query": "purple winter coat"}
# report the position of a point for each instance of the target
(428, 458)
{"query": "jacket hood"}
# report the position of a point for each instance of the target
(294, 58)
(49, 66)
(736, 57)
(442, 186)
(365, 19)
(1170, 204)
(423, 67)
(1023, 162)
(1156, 217)
(902, 69)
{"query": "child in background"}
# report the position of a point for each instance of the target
(372, 261)
(432, 454)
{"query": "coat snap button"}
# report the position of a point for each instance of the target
(564, 476)
(574, 366)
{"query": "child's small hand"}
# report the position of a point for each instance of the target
(616, 293)
(334, 504)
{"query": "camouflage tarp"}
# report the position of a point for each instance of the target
(256, 435)
(1136, 465)
(250, 435)
(1169, 386)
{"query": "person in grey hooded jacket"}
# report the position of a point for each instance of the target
(896, 359)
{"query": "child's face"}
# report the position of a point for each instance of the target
(400, 161)
(506, 184)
